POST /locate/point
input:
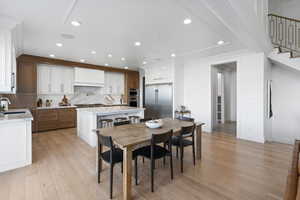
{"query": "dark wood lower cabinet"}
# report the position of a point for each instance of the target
(66, 118)
(51, 119)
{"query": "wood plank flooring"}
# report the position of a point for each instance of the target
(64, 169)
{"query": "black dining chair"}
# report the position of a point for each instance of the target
(182, 141)
(188, 119)
(112, 156)
(120, 123)
(154, 152)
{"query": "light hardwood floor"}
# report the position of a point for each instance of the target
(64, 168)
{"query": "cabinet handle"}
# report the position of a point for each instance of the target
(13, 81)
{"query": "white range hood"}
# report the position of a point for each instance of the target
(88, 77)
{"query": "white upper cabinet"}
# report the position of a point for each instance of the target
(89, 77)
(7, 63)
(55, 79)
(114, 83)
(162, 72)
(43, 79)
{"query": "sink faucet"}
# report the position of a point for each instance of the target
(4, 102)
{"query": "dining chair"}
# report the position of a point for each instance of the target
(134, 119)
(188, 119)
(112, 156)
(154, 152)
(120, 119)
(106, 123)
(182, 141)
(120, 123)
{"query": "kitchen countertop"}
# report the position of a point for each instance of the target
(81, 106)
(55, 107)
(110, 110)
(16, 117)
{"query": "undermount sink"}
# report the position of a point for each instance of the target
(13, 112)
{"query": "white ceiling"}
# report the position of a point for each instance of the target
(113, 26)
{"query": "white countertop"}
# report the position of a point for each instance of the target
(110, 110)
(16, 117)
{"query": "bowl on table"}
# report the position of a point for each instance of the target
(154, 123)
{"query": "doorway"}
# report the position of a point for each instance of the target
(224, 98)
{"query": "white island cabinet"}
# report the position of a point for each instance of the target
(87, 119)
(15, 140)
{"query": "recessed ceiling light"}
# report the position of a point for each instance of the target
(109, 55)
(75, 23)
(123, 59)
(221, 42)
(59, 44)
(137, 44)
(144, 63)
(82, 60)
(173, 55)
(52, 55)
(106, 64)
(125, 67)
(187, 21)
(93, 52)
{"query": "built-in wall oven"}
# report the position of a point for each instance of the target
(133, 97)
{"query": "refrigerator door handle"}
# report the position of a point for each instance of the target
(156, 96)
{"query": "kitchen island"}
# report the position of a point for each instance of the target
(88, 119)
(15, 139)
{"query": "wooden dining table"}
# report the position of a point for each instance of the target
(128, 137)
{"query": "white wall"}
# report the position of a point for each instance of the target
(250, 91)
(286, 106)
(287, 8)
(178, 83)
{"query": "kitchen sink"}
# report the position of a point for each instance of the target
(13, 112)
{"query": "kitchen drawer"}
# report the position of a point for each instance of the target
(47, 115)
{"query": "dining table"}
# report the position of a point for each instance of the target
(129, 137)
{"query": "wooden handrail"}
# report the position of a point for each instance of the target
(287, 18)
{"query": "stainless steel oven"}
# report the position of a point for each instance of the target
(133, 97)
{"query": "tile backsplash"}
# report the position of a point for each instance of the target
(84, 95)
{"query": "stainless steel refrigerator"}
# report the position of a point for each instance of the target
(158, 101)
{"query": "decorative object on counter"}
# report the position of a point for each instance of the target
(154, 123)
(182, 112)
(39, 102)
(122, 99)
(64, 101)
(48, 103)
(4, 102)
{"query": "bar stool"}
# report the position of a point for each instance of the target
(106, 123)
(134, 119)
(118, 119)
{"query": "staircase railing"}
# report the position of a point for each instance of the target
(285, 32)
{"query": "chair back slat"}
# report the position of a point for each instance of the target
(161, 138)
(120, 123)
(105, 140)
(187, 130)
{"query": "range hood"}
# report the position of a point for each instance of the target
(88, 77)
